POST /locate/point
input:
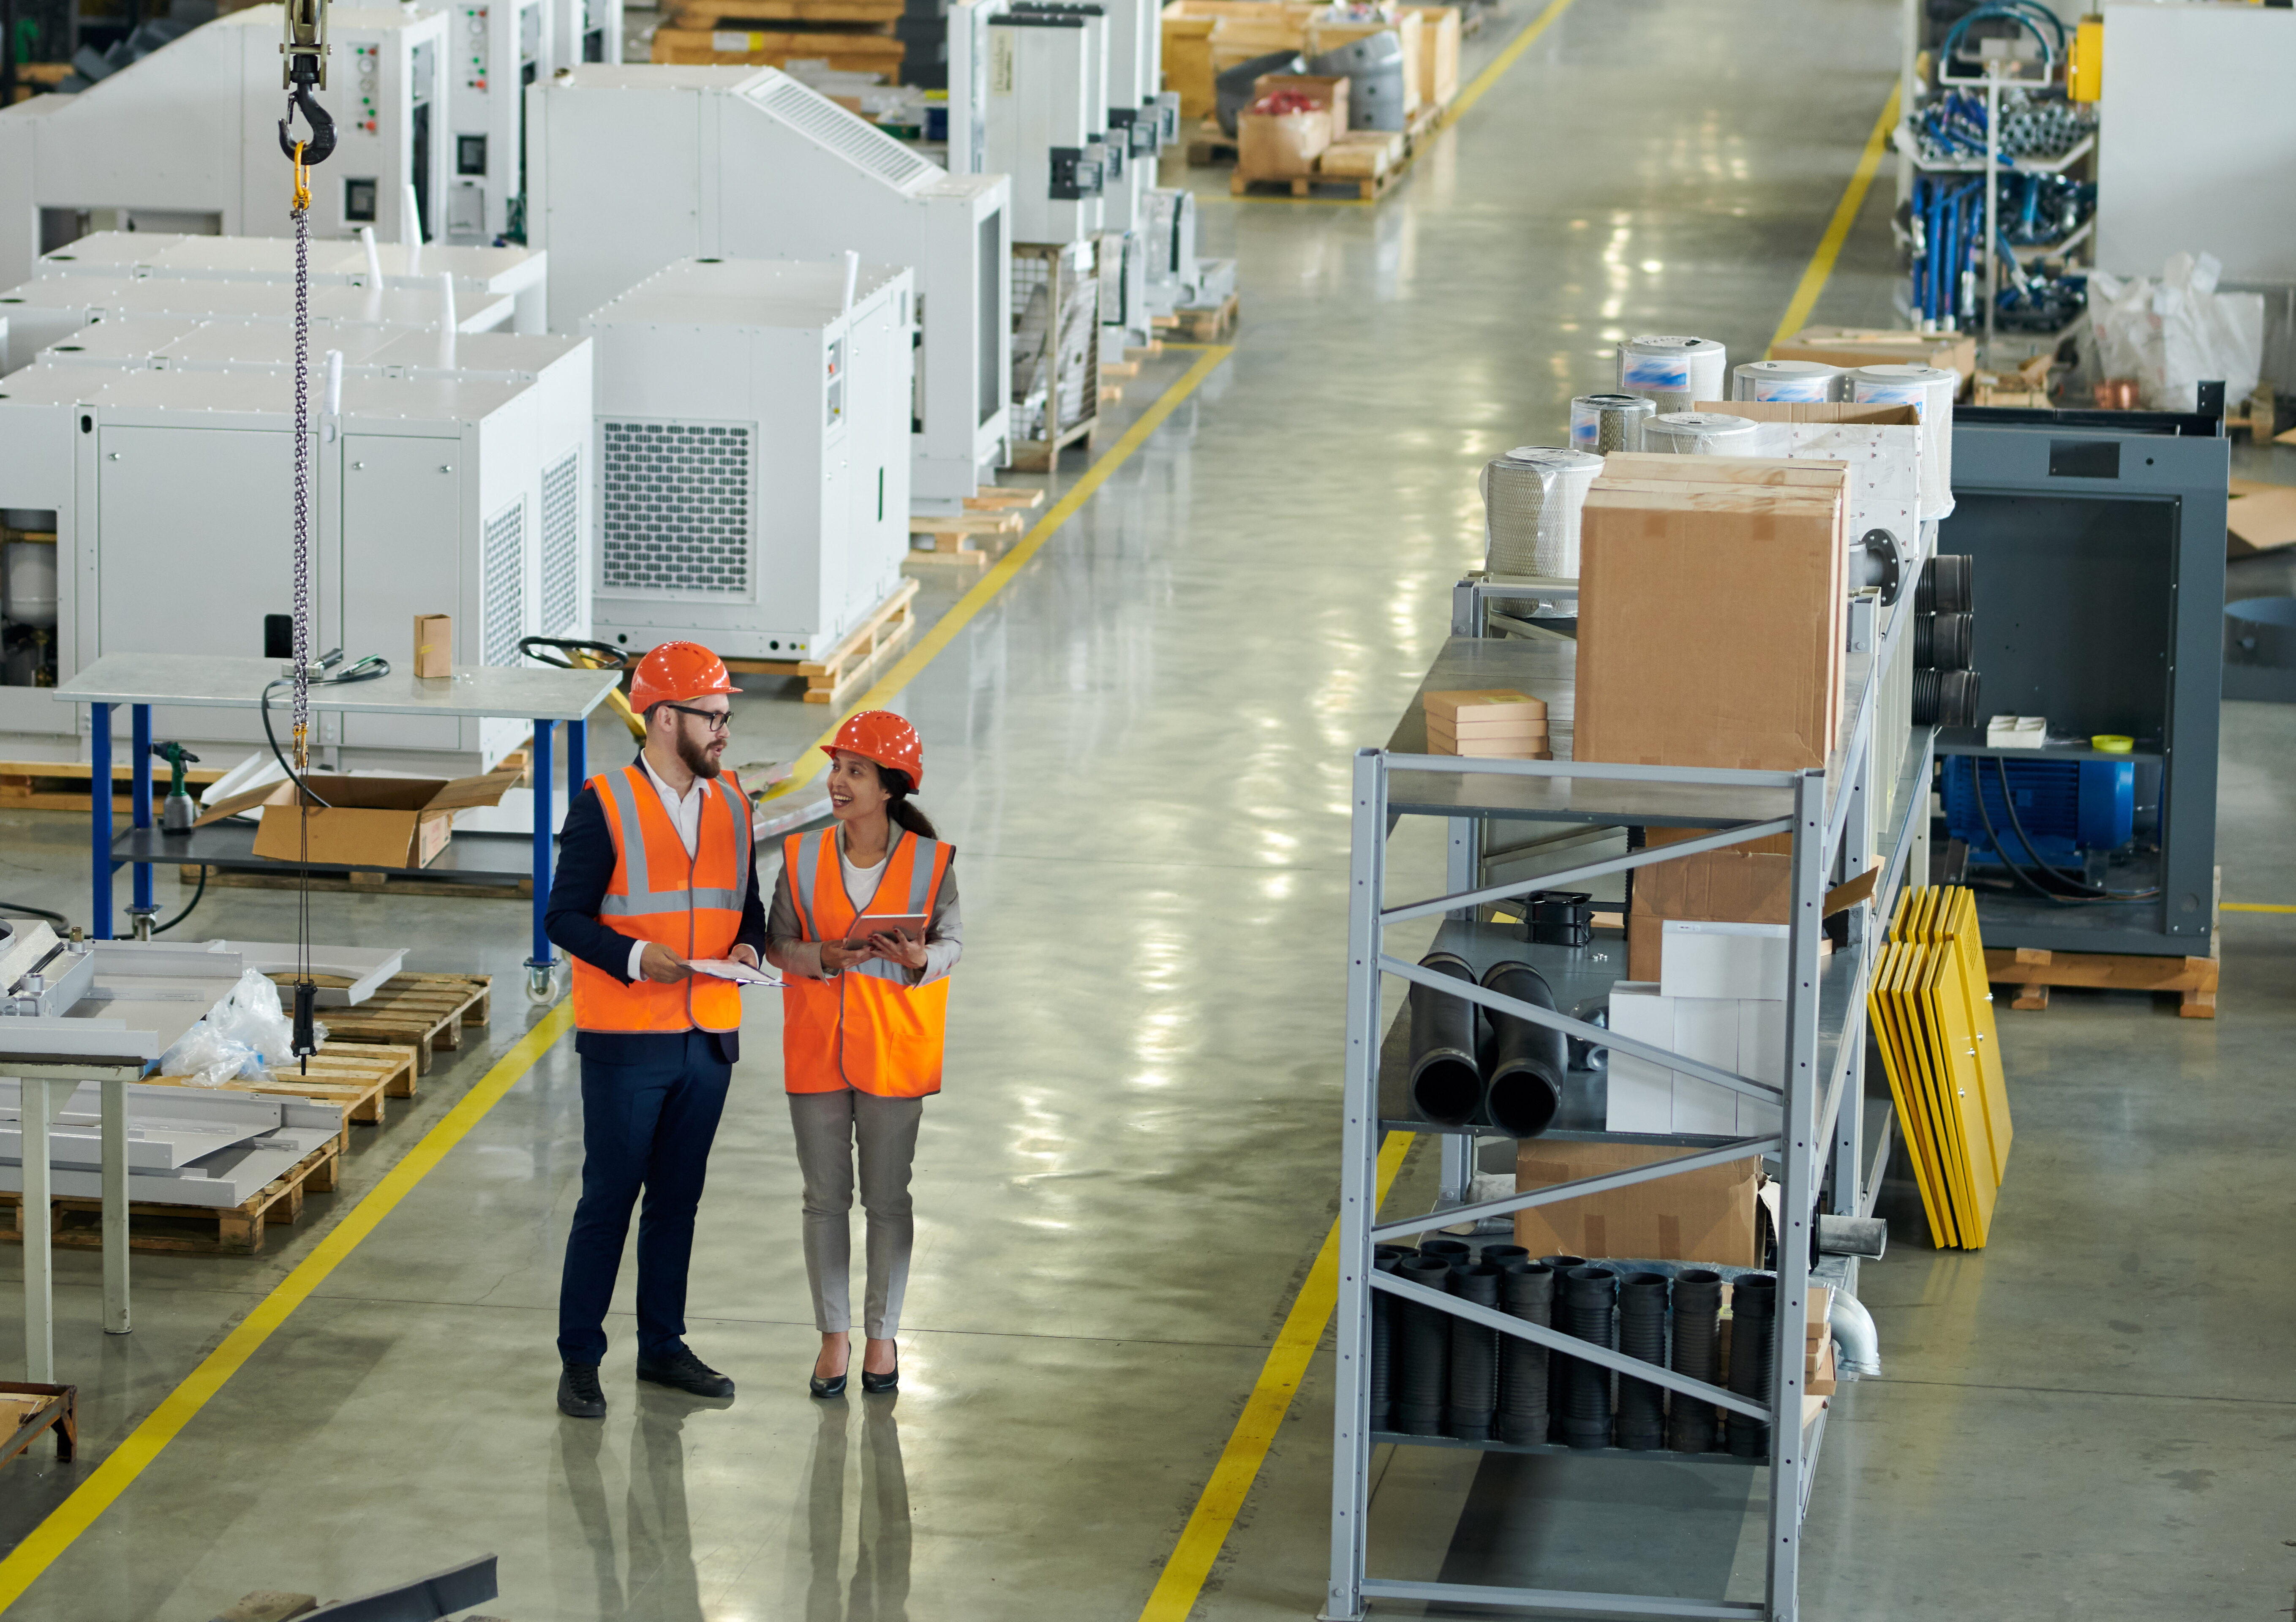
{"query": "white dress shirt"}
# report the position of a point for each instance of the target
(685, 816)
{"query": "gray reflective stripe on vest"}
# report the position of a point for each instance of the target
(744, 859)
(877, 968)
(808, 863)
(632, 852)
(921, 871)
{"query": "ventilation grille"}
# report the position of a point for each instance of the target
(820, 119)
(502, 584)
(676, 517)
(562, 546)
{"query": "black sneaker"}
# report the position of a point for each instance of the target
(579, 1395)
(683, 1371)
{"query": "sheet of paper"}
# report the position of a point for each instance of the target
(741, 974)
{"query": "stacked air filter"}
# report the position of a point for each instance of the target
(1929, 390)
(1945, 687)
(1601, 424)
(1711, 433)
(1673, 374)
(1532, 499)
(1800, 381)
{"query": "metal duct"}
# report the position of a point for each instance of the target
(1523, 1063)
(1384, 1258)
(1447, 1083)
(1854, 1334)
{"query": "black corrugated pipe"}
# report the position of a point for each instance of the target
(1523, 1063)
(1557, 1368)
(1589, 1299)
(1422, 1347)
(1753, 1356)
(1384, 1258)
(1475, 1395)
(1500, 1256)
(1526, 1293)
(1697, 1313)
(1642, 1333)
(1450, 1252)
(1447, 1083)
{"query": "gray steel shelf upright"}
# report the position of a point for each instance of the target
(1875, 782)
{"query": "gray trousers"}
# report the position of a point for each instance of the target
(830, 1125)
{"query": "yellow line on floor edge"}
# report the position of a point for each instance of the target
(1222, 1500)
(117, 1473)
(2256, 906)
(1837, 229)
(813, 762)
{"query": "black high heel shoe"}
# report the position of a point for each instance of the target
(834, 1386)
(877, 1385)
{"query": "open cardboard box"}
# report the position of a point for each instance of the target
(368, 821)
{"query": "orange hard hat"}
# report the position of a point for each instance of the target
(677, 672)
(885, 738)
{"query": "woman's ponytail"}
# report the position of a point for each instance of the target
(902, 812)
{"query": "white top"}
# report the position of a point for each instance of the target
(861, 882)
(685, 816)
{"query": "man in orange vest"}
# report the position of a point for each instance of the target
(655, 874)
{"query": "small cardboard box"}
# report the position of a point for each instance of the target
(1880, 346)
(1330, 94)
(434, 647)
(1281, 144)
(1695, 1216)
(1485, 706)
(367, 821)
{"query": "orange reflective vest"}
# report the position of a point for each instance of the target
(867, 1027)
(691, 904)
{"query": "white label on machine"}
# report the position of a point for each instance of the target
(1000, 61)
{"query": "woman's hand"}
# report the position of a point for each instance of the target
(898, 949)
(836, 956)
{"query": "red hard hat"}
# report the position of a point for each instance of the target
(885, 738)
(677, 672)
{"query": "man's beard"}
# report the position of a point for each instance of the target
(696, 756)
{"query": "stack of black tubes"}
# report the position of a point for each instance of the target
(1945, 686)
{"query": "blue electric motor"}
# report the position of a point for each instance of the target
(2067, 808)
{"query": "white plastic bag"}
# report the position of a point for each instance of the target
(246, 1036)
(2173, 334)
(206, 1059)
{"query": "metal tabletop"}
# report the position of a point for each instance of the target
(207, 681)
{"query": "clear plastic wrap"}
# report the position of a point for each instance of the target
(1533, 498)
(246, 1036)
(1712, 433)
(1799, 381)
(2173, 334)
(1601, 424)
(1675, 373)
(1929, 389)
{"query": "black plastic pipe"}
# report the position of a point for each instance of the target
(1384, 1258)
(1697, 1317)
(1526, 1293)
(1753, 1356)
(1589, 1302)
(1501, 1256)
(1557, 1368)
(1422, 1348)
(1642, 1333)
(1523, 1063)
(1451, 1252)
(1446, 1081)
(1475, 1395)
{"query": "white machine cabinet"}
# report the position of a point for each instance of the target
(751, 454)
(1045, 82)
(495, 49)
(636, 166)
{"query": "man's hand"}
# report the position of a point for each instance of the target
(836, 956)
(746, 955)
(661, 965)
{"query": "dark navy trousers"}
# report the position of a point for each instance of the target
(646, 1126)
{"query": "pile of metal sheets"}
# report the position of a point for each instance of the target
(186, 1145)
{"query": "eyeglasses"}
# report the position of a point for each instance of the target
(719, 719)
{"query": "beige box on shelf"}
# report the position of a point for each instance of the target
(434, 647)
(1484, 706)
(367, 821)
(1880, 346)
(1695, 1216)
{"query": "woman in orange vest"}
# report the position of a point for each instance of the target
(863, 1023)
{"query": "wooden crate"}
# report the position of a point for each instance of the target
(1001, 498)
(360, 1076)
(1204, 38)
(848, 666)
(1203, 326)
(776, 48)
(955, 534)
(187, 1229)
(62, 785)
(1441, 29)
(30, 1412)
(424, 1012)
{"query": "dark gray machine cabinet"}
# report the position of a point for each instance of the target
(2099, 592)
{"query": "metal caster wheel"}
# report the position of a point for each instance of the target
(542, 984)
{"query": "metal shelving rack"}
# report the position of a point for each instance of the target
(1823, 1146)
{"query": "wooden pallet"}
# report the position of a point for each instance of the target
(2033, 971)
(1210, 144)
(1149, 351)
(777, 14)
(186, 1229)
(1003, 498)
(424, 1012)
(953, 535)
(1119, 368)
(1203, 326)
(341, 882)
(850, 666)
(1367, 188)
(62, 785)
(357, 1076)
(1038, 455)
(30, 1411)
(845, 52)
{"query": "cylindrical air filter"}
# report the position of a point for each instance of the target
(1421, 1379)
(1674, 373)
(1474, 1394)
(1384, 1258)
(1532, 500)
(1711, 433)
(1523, 1063)
(1930, 389)
(1447, 1085)
(1601, 424)
(1642, 1333)
(1526, 1293)
(1589, 1297)
(1753, 1356)
(1697, 1316)
(1802, 381)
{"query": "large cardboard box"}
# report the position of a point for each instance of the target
(1710, 629)
(1880, 346)
(1697, 1216)
(1281, 144)
(1188, 61)
(367, 821)
(1438, 52)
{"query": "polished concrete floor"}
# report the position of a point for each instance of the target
(1140, 748)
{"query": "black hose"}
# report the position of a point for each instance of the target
(1523, 1063)
(1474, 1394)
(1753, 1357)
(189, 906)
(1589, 1302)
(33, 912)
(367, 670)
(1421, 1378)
(1557, 1368)
(1447, 1085)
(1385, 1258)
(1642, 1333)
(1697, 1316)
(1526, 1293)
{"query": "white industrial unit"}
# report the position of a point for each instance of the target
(1046, 82)
(495, 49)
(751, 454)
(187, 139)
(587, 31)
(1174, 278)
(636, 166)
(170, 495)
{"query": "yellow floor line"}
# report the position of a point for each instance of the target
(1222, 1500)
(2256, 906)
(813, 762)
(117, 1473)
(1837, 230)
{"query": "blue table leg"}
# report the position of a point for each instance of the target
(141, 773)
(578, 758)
(99, 806)
(545, 832)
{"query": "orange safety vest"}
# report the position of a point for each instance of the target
(691, 904)
(866, 1027)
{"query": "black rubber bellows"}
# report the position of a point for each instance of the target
(1558, 1368)
(1474, 1394)
(1384, 1258)
(1642, 1333)
(1526, 1293)
(1501, 1256)
(1452, 1252)
(1753, 1356)
(1422, 1346)
(1697, 1316)
(1447, 1078)
(1523, 1063)
(1589, 1299)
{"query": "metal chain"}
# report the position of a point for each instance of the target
(302, 623)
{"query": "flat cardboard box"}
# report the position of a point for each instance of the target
(1533, 733)
(434, 647)
(1880, 346)
(1362, 153)
(1822, 1377)
(1328, 93)
(367, 821)
(1695, 1216)
(1709, 626)
(1486, 704)
(2264, 521)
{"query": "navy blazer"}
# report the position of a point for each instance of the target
(586, 867)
